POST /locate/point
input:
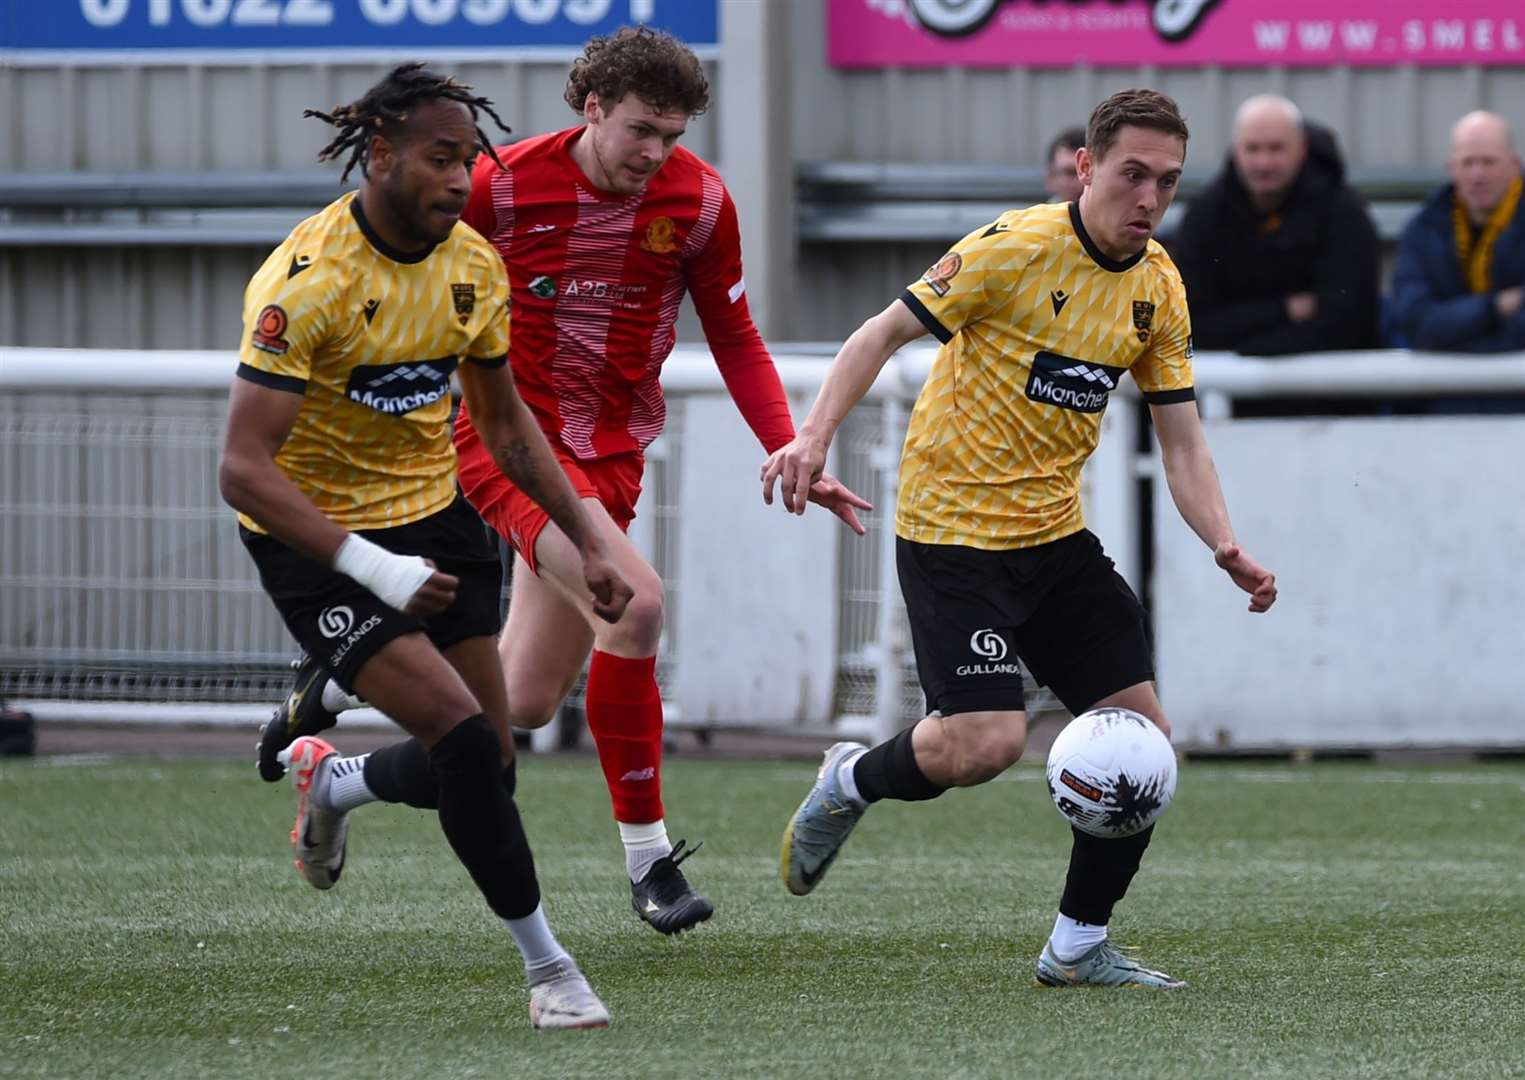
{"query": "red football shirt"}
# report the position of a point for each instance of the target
(597, 281)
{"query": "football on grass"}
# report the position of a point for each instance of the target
(1111, 773)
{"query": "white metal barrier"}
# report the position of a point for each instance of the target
(121, 577)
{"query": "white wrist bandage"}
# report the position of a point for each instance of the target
(394, 578)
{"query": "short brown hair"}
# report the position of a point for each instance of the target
(1136, 108)
(655, 67)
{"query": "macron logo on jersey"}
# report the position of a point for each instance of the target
(1067, 383)
(397, 389)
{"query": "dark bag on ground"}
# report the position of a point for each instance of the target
(18, 732)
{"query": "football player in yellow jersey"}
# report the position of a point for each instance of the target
(339, 460)
(1040, 314)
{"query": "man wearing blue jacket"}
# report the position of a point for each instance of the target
(1459, 283)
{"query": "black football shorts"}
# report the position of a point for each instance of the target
(343, 624)
(1059, 607)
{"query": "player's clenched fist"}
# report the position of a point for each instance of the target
(610, 593)
(436, 593)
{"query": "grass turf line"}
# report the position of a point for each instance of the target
(1334, 920)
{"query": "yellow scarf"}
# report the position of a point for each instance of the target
(1476, 255)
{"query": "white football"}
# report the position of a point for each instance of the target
(1111, 773)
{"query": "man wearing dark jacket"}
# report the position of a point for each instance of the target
(1278, 253)
(1459, 282)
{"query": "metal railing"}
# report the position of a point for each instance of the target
(888, 203)
(837, 201)
(159, 209)
(122, 579)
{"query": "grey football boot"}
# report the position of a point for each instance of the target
(1103, 965)
(319, 837)
(820, 826)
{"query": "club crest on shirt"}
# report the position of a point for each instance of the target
(1143, 318)
(465, 297)
(659, 237)
(943, 271)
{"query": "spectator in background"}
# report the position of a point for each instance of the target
(1459, 282)
(1060, 178)
(1278, 252)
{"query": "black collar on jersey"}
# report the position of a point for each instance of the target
(381, 245)
(1095, 252)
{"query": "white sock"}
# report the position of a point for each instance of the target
(644, 845)
(342, 786)
(537, 944)
(845, 779)
(336, 700)
(1071, 939)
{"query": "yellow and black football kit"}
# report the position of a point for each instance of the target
(1038, 326)
(369, 336)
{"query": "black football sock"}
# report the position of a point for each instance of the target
(1100, 872)
(511, 777)
(889, 771)
(481, 821)
(400, 773)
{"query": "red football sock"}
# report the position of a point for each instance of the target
(624, 709)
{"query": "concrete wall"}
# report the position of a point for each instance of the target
(1398, 619)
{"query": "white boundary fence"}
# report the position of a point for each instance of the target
(124, 593)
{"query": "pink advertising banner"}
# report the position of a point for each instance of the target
(1059, 33)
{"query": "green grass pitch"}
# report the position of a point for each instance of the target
(1333, 920)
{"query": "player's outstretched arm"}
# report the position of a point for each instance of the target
(799, 464)
(510, 433)
(259, 419)
(1199, 497)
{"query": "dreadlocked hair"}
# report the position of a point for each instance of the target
(385, 107)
